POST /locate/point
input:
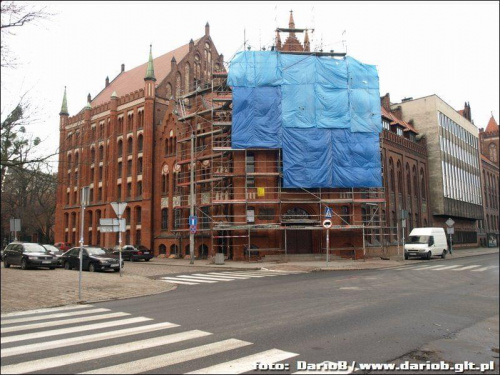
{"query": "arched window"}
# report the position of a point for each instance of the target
(76, 160)
(422, 183)
(138, 214)
(164, 218)
(130, 144)
(162, 249)
(69, 162)
(140, 143)
(101, 153)
(127, 216)
(492, 148)
(415, 183)
(346, 218)
(92, 155)
(169, 91)
(408, 180)
(166, 146)
(187, 75)
(178, 80)
(174, 249)
(400, 177)
(139, 166)
(120, 148)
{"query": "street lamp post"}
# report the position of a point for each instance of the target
(192, 194)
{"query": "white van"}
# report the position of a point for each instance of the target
(426, 242)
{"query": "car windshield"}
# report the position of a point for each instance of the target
(52, 249)
(34, 248)
(419, 239)
(96, 251)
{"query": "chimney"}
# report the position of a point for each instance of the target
(107, 82)
(123, 68)
(386, 102)
(397, 112)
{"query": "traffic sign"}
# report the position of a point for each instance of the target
(327, 223)
(328, 212)
(119, 207)
(450, 230)
(192, 229)
(193, 220)
(112, 225)
(450, 222)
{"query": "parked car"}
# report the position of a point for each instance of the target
(94, 259)
(28, 255)
(64, 246)
(56, 252)
(426, 242)
(130, 252)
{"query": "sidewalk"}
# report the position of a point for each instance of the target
(334, 265)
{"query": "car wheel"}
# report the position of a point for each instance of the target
(91, 267)
(24, 264)
(406, 256)
(116, 270)
(67, 266)
(6, 264)
(429, 255)
(443, 255)
(147, 260)
(52, 268)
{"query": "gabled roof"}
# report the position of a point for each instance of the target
(133, 79)
(395, 121)
(492, 126)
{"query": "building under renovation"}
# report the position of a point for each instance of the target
(260, 187)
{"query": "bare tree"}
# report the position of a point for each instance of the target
(30, 196)
(15, 15)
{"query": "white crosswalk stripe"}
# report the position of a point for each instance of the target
(116, 362)
(39, 311)
(79, 328)
(169, 359)
(52, 316)
(245, 364)
(63, 322)
(63, 343)
(215, 277)
(93, 354)
(442, 267)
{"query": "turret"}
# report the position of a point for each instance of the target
(207, 29)
(150, 72)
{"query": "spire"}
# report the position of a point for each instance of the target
(64, 107)
(291, 23)
(307, 44)
(278, 40)
(150, 73)
(492, 125)
(88, 106)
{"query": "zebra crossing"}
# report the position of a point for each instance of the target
(444, 267)
(216, 277)
(157, 351)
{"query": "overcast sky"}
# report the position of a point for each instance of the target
(422, 48)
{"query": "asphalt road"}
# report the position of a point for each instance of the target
(363, 316)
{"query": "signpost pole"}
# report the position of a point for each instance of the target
(192, 194)
(327, 246)
(120, 244)
(84, 202)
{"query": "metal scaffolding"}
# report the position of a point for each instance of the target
(239, 195)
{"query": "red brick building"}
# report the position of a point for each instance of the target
(111, 144)
(133, 143)
(488, 141)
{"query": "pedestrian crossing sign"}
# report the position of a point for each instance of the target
(328, 212)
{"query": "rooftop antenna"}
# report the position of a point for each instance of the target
(344, 40)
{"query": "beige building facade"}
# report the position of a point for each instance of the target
(454, 164)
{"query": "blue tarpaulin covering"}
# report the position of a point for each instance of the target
(324, 113)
